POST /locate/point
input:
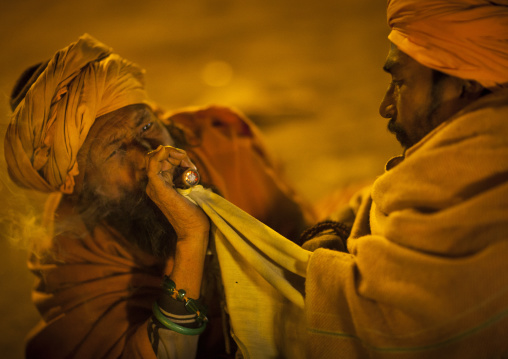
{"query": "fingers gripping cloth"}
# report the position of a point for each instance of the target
(81, 82)
(255, 262)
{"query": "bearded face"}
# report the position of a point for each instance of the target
(134, 215)
(112, 182)
(419, 99)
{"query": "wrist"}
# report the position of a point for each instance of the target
(196, 236)
(193, 245)
(189, 265)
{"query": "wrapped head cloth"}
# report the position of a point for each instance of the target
(52, 117)
(463, 38)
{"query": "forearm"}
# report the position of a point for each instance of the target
(177, 314)
(186, 274)
(187, 271)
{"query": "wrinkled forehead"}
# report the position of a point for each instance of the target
(123, 119)
(113, 125)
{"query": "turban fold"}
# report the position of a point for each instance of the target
(49, 125)
(463, 38)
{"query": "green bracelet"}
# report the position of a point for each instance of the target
(192, 305)
(173, 326)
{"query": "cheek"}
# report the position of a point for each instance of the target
(408, 107)
(114, 181)
(414, 115)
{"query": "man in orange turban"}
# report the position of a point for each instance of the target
(423, 274)
(84, 131)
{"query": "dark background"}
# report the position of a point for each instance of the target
(307, 72)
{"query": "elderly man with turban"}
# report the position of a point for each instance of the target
(84, 131)
(424, 270)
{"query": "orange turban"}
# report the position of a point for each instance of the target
(48, 127)
(463, 38)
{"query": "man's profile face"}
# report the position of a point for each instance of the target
(418, 98)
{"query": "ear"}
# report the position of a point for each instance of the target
(471, 89)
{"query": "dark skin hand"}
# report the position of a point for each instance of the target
(189, 221)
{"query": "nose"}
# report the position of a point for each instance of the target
(387, 106)
(148, 144)
(137, 150)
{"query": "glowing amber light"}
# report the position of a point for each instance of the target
(217, 74)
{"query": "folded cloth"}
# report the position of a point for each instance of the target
(262, 273)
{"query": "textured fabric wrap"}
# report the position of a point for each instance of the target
(263, 275)
(467, 39)
(424, 277)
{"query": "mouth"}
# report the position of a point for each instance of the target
(399, 132)
(392, 126)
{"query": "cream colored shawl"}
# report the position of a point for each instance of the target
(80, 83)
(262, 273)
(427, 274)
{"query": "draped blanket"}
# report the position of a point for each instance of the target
(94, 294)
(256, 266)
(426, 276)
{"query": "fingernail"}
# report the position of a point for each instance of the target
(176, 149)
(156, 150)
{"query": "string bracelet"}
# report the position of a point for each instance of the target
(192, 305)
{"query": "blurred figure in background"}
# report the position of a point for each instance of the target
(84, 131)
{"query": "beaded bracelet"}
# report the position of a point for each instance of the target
(173, 326)
(192, 305)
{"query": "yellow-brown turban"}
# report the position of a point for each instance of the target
(80, 83)
(463, 38)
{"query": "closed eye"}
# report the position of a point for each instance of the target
(111, 155)
(120, 149)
